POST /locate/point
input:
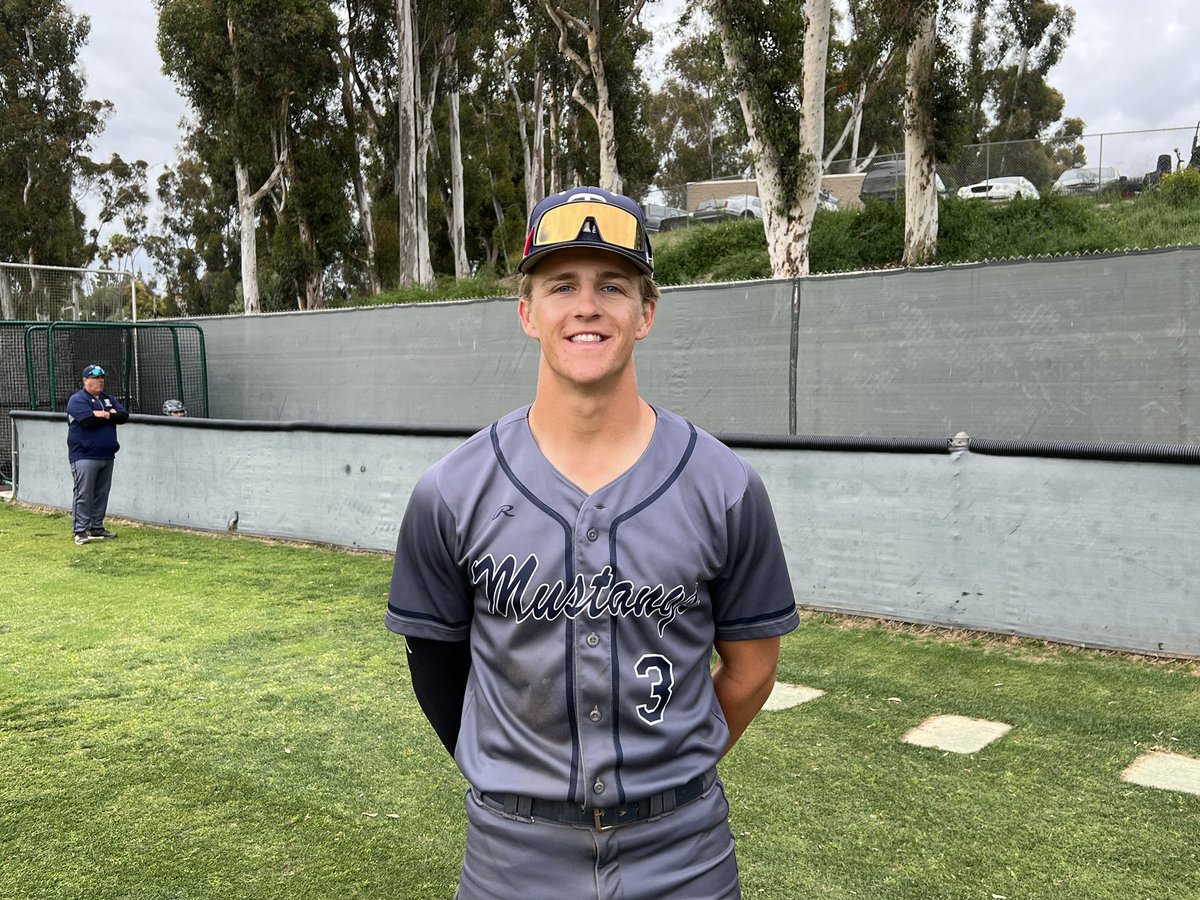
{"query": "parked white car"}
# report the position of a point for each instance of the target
(1000, 189)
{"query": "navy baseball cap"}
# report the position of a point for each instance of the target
(93, 371)
(588, 217)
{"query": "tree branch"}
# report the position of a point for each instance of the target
(563, 47)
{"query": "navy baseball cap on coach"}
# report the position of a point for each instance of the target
(93, 371)
(588, 217)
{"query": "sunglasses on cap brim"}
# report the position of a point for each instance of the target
(94, 373)
(613, 225)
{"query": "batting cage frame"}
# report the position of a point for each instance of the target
(147, 363)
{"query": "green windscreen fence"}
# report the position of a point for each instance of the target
(147, 363)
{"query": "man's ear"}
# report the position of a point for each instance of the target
(648, 311)
(525, 313)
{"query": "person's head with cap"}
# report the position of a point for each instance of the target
(93, 379)
(174, 408)
(589, 218)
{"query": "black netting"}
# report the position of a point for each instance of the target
(145, 363)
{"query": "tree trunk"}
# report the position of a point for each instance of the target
(787, 210)
(424, 142)
(523, 132)
(362, 196)
(406, 155)
(314, 296)
(538, 165)
(499, 210)
(458, 227)
(247, 223)
(601, 111)
(606, 123)
(920, 170)
(6, 297)
(555, 186)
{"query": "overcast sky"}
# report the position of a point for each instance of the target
(1128, 66)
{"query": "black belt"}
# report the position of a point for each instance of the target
(602, 818)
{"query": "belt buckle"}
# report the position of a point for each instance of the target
(598, 818)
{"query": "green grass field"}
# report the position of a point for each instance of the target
(196, 716)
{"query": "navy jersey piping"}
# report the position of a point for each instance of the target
(750, 620)
(569, 556)
(403, 613)
(612, 625)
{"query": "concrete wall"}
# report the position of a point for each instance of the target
(1099, 553)
(1093, 349)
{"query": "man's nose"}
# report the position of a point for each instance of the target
(586, 302)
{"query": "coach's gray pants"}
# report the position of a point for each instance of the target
(93, 477)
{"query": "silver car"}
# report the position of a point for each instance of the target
(664, 218)
(719, 209)
(1086, 180)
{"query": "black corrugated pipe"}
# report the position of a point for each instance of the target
(1110, 452)
(834, 442)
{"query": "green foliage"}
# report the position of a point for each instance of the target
(446, 288)
(727, 251)
(1181, 188)
(969, 231)
(45, 129)
(698, 129)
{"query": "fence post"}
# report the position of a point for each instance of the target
(1099, 165)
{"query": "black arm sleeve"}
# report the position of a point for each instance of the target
(439, 672)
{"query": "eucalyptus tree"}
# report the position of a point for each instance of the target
(46, 124)
(1030, 37)
(920, 170)
(195, 241)
(777, 54)
(120, 188)
(699, 132)
(602, 28)
(246, 68)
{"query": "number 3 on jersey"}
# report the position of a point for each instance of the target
(657, 670)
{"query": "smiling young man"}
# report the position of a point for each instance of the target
(562, 580)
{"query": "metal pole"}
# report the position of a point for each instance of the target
(1099, 165)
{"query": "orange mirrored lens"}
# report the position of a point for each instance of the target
(564, 223)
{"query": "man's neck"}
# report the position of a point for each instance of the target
(592, 438)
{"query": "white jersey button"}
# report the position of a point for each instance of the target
(594, 715)
(598, 787)
(592, 534)
(592, 639)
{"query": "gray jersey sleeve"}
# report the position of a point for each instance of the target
(430, 596)
(755, 568)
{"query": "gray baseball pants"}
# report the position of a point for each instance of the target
(93, 478)
(687, 854)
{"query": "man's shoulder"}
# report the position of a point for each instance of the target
(705, 447)
(477, 451)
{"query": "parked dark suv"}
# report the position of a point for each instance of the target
(885, 181)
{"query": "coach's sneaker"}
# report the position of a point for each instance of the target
(100, 534)
(81, 538)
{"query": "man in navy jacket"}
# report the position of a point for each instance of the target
(92, 420)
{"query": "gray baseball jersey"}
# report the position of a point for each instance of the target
(591, 618)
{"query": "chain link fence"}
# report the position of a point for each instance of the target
(57, 294)
(1119, 162)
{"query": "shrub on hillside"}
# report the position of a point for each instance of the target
(1181, 188)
